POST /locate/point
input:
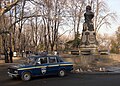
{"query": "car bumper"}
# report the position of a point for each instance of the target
(12, 75)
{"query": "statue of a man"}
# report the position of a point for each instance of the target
(88, 24)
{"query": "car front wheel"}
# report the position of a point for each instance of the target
(26, 76)
(61, 73)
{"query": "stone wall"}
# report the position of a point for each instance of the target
(92, 60)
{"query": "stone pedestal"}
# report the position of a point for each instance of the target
(89, 51)
(88, 43)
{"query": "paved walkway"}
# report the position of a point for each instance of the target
(15, 60)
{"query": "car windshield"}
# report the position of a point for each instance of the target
(31, 61)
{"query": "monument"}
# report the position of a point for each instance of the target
(88, 43)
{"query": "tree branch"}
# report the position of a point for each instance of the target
(8, 7)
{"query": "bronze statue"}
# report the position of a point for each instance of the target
(88, 24)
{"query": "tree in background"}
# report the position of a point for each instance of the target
(6, 6)
(115, 43)
(36, 23)
(103, 16)
(104, 41)
(76, 11)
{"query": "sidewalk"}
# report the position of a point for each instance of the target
(15, 60)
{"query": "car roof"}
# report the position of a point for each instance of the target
(42, 56)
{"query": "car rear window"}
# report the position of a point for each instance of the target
(52, 60)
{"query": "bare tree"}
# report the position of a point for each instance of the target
(7, 6)
(102, 14)
(104, 41)
(52, 9)
(76, 10)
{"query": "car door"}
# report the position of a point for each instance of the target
(53, 65)
(41, 66)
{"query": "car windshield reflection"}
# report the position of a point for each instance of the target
(31, 61)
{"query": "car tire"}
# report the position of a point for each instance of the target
(26, 76)
(62, 73)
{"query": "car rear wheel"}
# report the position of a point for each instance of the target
(61, 73)
(26, 76)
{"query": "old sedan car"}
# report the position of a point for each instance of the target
(40, 66)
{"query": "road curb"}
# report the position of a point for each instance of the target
(99, 73)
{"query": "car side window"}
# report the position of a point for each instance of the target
(43, 60)
(52, 60)
(38, 61)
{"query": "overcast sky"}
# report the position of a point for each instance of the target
(114, 6)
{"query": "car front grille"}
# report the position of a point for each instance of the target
(11, 70)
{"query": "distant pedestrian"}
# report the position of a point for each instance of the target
(27, 53)
(22, 53)
(6, 56)
(56, 53)
(11, 55)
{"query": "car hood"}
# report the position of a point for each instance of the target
(16, 66)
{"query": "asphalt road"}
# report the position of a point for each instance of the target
(69, 80)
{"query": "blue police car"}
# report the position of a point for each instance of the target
(40, 66)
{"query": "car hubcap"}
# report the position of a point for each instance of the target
(62, 73)
(26, 76)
